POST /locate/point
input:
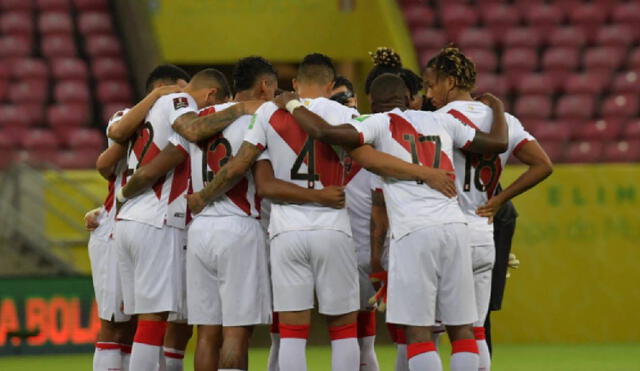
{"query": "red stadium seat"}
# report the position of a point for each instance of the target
(58, 46)
(603, 60)
(621, 106)
(71, 92)
(472, 38)
(543, 17)
(519, 37)
(424, 38)
(533, 107)
(418, 15)
(40, 139)
(28, 91)
(5, 69)
(30, 68)
(585, 83)
(485, 60)
(626, 82)
(519, 62)
(16, 5)
(92, 23)
(499, 18)
(69, 69)
(608, 129)
(560, 62)
(633, 61)
(67, 115)
(584, 152)
(85, 139)
(4, 90)
(54, 23)
(82, 159)
(489, 82)
(84, 5)
(580, 107)
(622, 151)
(632, 130)
(536, 84)
(109, 109)
(456, 18)
(102, 46)
(17, 23)
(426, 55)
(525, 5)
(114, 91)
(628, 14)
(109, 68)
(58, 5)
(567, 36)
(588, 17)
(566, 6)
(15, 46)
(552, 132)
(555, 150)
(620, 36)
(34, 111)
(14, 118)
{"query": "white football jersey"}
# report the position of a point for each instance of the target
(358, 195)
(209, 156)
(301, 160)
(477, 175)
(164, 202)
(423, 138)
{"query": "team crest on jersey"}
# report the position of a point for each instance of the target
(180, 102)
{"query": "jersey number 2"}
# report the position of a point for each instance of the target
(308, 151)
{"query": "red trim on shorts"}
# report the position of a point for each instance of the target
(343, 332)
(478, 333)
(366, 324)
(419, 348)
(294, 331)
(464, 346)
(125, 348)
(275, 324)
(107, 346)
(150, 332)
(173, 355)
(397, 333)
(519, 146)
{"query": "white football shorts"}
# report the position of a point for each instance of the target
(483, 256)
(106, 278)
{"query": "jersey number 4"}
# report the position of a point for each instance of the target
(216, 154)
(308, 152)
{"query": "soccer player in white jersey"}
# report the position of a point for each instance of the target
(150, 228)
(449, 78)
(429, 258)
(113, 346)
(311, 249)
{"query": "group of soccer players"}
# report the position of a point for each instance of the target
(231, 210)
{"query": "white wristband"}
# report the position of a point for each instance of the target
(120, 196)
(292, 105)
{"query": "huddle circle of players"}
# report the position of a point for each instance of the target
(228, 211)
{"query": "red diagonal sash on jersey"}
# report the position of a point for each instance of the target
(108, 202)
(143, 140)
(328, 166)
(426, 150)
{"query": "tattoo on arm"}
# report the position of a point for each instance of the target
(195, 129)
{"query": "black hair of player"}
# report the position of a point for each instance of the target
(388, 88)
(412, 80)
(212, 74)
(167, 73)
(318, 68)
(343, 81)
(248, 70)
(450, 61)
(385, 60)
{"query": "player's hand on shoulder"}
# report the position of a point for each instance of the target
(491, 101)
(166, 89)
(195, 203)
(441, 180)
(490, 209)
(91, 219)
(251, 106)
(332, 196)
(284, 98)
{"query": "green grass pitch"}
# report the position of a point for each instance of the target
(589, 357)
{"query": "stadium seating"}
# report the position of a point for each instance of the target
(570, 69)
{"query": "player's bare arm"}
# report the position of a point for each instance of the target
(379, 225)
(124, 128)
(226, 178)
(146, 176)
(277, 190)
(195, 128)
(497, 140)
(539, 168)
(109, 158)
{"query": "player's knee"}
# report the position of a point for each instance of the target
(460, 332)
(418, 334)
(343, 319)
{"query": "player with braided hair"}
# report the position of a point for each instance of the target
(449, 78)
(386, 60)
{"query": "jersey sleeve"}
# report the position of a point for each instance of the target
(257, 132)
(180, 104)
(115, 118)
(179, 141)
(518, 135)
(371, 128)
(264, 156)
(461, 134)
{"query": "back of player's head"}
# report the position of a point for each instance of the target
(343, 81)
(166, 73)
(451, 62)
(248, 70)
(212, 78)
(388, 87)
(316, 68)
(385, 60)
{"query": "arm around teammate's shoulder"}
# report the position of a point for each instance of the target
(108, 160)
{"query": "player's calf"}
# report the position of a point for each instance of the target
(175, 342)
(234, 354)
(208, 347)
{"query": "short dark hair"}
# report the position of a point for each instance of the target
(168, 73)
(211, 77)
(387, 87)
(343, 81)
(412, 80)
(317, 68)
(247, 71)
